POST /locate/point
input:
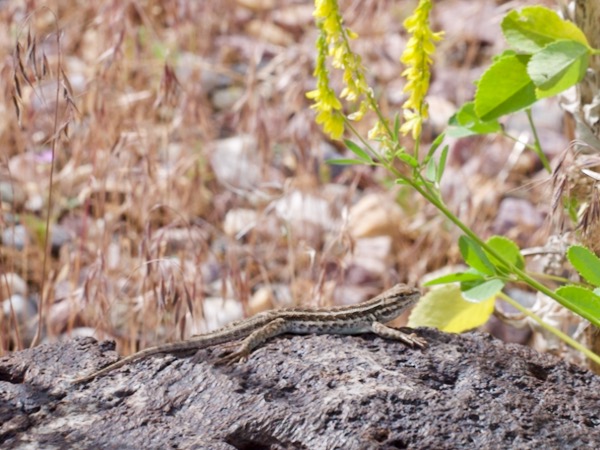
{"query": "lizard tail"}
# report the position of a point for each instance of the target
(129, 359)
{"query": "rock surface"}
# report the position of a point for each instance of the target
(302, 392)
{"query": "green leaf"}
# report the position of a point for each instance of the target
(586, 263)
(504, 88)
(434, 146)
(396, 127)
(558, 66)
(432, 173)
(446, 309)
(354, 148)
(483, 291)
(581, 301)
(409, 159)
(345, 162)
(36, 225)
(505, 53)
(508, 249)
(532, 28)
(455, 277)
(474, 256)
(431, 170)
(459, 132)
(466, 123)
(442, 166)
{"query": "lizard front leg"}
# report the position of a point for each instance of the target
(257, 337)
(392, 333)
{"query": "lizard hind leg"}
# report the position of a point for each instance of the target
(392, 333)
(256, 338)
(224, 349)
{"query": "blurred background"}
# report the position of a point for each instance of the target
(170, 151)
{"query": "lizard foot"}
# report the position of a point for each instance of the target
(232, 358)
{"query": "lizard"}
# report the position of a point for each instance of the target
(366, 317)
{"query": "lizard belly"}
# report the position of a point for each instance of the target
(318, 327)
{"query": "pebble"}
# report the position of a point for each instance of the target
(11, 193)
(16, 237)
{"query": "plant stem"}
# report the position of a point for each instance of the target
(564, 337)
(537, 145)
(521, 275)
(514, 139)
(371, 150)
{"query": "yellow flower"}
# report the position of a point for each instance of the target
(332, 122)
(333, 42)
(377, 132)
(413, 122)
(326, 103)
(324, 8)
(417, 58)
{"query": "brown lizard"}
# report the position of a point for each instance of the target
(367, 317)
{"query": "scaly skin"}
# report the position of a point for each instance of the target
(367, 317)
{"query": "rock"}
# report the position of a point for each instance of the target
(371, 254)
(12, 193)
(23, 307)
(294, 16)
(239, 221)
(440, 111)
(235, 162)
(224, 99)
(514, 212)
(299, 208)
(269, 32)
(257, 5)
(218, 312)
(312, 392)
(376, 215)
(25, 310)
(34, 203)
(59, 236)
(261, 300)
(12, 284)
(16, 237)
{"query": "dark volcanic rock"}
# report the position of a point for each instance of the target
(303, 392)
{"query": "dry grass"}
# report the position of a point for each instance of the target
(112, 131)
